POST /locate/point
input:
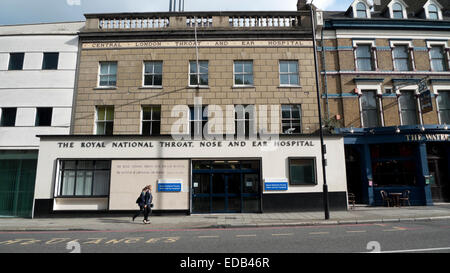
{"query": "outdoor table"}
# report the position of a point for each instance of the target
(396, 198)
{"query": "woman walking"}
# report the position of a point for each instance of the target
(141, 202)
(148, 204)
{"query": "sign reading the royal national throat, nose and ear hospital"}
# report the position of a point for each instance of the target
(191, 44)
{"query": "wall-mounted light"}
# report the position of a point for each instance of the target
(397, 130)
(422, 129)
(351, 130)
(445, 127)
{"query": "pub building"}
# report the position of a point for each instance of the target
(386, 80)
(216, 110)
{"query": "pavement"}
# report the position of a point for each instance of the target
(357, 215)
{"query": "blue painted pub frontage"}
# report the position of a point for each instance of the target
(396, 159)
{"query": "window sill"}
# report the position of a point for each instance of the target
(243, 87)
(198, 87)
(151, 87)
(106, 88)
(289, 86)
(81, 197)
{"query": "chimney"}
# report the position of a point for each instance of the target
(301, 5)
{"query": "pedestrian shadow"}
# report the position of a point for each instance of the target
(116, 221)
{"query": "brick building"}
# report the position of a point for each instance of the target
(249, 146)
(386, 87)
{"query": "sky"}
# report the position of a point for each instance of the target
(13, 12)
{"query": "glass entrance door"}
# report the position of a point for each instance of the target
(225, 187)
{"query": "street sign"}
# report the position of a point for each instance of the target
(425, 101)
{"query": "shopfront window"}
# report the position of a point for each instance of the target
(81, 178)
(393, 164)
(302, 171)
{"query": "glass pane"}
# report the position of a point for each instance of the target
(69, 165)
(201, 183)
(50, 61)
(201, 204)
(85, 165)
(104, 80)
(284, 67)
(100, 128)
(112, 81)
(444, 100)
(286, 111)
(156, 113)
(296, 111)
(8, 117)
(370, 118)
(302, 171)
(101, 183)
(204, 79)
(158, 68)
(294, 79)
(438, 65)
(109, 128)
(146, 113)
(433, 15)
(248, 79)
(432, 8)
(146, 128)
(409, 117)
(109, 113)
(402, 64)
(364, 64)
(284, 79)
(204, 67)
(16, 61)
(239, 80)
(238, 67)
(193, 67)
(436, 52)
(363, 51)
(293, 67)
(408, 101)
(248, 67)
(156, 128)
(369, 100)
(361, 14)
(148, 80)
(157, 80)
(148, 68)
(68, 183)
(113, 68)
(400, 52)
(104, 68)
(102, 165)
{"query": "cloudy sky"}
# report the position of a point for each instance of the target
(40, 11)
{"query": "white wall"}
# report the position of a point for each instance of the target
(33, 87)
(274, 163)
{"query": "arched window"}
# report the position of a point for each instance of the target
(433, 12)
(361, 10)
(397, 10)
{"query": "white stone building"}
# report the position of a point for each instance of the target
(37, 77)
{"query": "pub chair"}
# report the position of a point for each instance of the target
(386, 198)
(351, 199)
(405, 197)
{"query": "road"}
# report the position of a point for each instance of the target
(401, 237)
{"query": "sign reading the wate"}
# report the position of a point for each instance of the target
(278, 184)
(169, 185)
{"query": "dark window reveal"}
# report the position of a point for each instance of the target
(8, 117)
(16, 61)
(44, 117)
(50, 61)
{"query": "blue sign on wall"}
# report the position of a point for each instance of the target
(275, 186)
(169, 187)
